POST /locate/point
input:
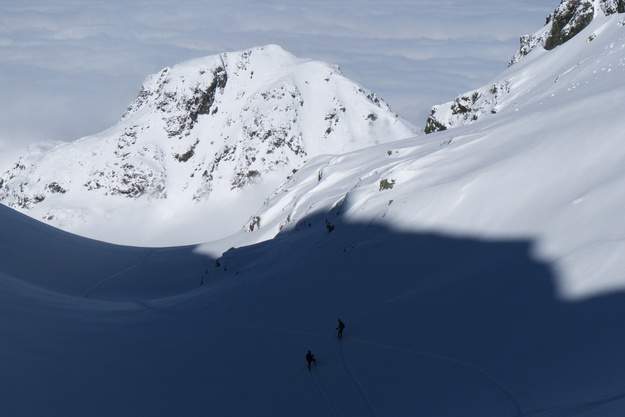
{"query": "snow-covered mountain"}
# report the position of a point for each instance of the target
(220, 131)
(570, 18)
(479, 271)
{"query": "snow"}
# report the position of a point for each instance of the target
(478, 271)
(204, 142)
(74, 65)
(432, 328)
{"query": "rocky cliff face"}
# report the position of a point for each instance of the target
(203, 128)
(568, 20)
(467, 108)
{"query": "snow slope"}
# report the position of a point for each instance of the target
(436, 325)
(59, 261)
(569, 19)
(207, 137)
(548, 166)
(478, 271)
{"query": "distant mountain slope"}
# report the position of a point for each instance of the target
(569, 19)
(203, 131)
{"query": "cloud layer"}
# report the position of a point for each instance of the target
(69, 68)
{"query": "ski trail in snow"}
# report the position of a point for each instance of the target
(147, 252)
(169, 312)
(273, 329)
(320, 389)
(481, 372)
(355, 381)
(473, 368)
(327, 393)
(319, 385)
(572, 407)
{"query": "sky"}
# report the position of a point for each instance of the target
(69, 68)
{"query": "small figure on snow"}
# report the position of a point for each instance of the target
(310, 358)
(340, 329)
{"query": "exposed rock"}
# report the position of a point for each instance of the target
(569, 19)
(466, 108)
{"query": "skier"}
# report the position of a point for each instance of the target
(310, 358)
(340, 329)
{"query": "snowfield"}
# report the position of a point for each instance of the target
(479, 272)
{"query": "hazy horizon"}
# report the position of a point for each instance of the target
(70, 68)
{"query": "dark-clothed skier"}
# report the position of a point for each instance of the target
(310, 358)
(340, 329)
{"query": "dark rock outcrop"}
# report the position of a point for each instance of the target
(566, 21)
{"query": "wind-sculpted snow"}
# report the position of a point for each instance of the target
(203, 131)
(548, 165)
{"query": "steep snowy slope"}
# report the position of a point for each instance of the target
(208, 136)
(549, 166)
(569, 19)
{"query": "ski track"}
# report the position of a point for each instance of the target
(483, 373)
(330, 403)
(327, 398)
(579, 406)
(325, 401)
(147, 252)
(273, 329)
(356, 381)
(147, 306)
(473, 368)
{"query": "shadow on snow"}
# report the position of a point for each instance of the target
(436, 325)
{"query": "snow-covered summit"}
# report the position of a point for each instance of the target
(571, 18)
(202, 131)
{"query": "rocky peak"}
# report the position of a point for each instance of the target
(566, 21)
(211, 125)
(179, 98)
(569, 19)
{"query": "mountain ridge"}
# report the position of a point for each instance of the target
(222, 125)
(568, 20)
